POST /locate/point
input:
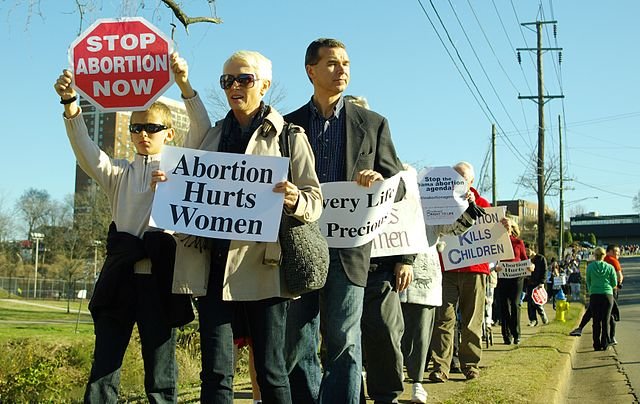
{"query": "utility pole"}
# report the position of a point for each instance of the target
(561, 235)
(540, 100)
(493, 165)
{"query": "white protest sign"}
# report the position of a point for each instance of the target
(222, 195)
(443, 194)
(486, 241)
(559, 280)
(514, 269)
(405, 232)
(352, 214)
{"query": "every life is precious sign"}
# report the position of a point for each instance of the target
(121, 64)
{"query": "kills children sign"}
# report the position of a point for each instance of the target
(486, 241)
(121, 64)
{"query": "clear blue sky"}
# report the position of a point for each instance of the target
(398, 63)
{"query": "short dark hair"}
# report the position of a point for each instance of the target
(312, 56)
(612, 247)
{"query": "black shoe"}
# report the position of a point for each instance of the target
(516, 341)
(438, 376)
(507, 340)
(455, 369)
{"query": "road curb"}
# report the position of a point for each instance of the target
(559, 392)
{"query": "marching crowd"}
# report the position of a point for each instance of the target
(383, 314)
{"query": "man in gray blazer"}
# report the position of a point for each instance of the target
(350, 143)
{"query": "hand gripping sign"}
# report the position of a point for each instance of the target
(539, 295)
(121, 64)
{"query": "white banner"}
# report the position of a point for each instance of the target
(405, 232)
(559, 280)
(514, 269)
(443, 193)
(352, 214)
(222, 195)
(486, 241)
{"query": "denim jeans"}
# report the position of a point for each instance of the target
(266, 325)
(301, 348)
(158, 351)
(341, 304)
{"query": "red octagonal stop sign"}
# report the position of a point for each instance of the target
(121, 64)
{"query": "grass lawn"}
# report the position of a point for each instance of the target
(44, 360)
(534, 364)
(20, 320)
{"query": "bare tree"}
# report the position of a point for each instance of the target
(6, 221)
(577, 210)
(127, 7)
(636, 202)
(218, 106)
(529, 179)
(34, 205)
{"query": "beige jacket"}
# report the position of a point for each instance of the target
(252, 271)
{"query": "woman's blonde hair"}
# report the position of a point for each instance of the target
(599, 253)
(257, 61)
(515, 229)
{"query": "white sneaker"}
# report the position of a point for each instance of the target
(418, 394)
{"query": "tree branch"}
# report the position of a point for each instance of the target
(185, 19)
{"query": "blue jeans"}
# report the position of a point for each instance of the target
(158, 342)
(301, 348)
(266, 324)
(341, 304)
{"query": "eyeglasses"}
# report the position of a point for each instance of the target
(147, 127)
(247, 80)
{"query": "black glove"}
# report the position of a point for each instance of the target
(474, 210)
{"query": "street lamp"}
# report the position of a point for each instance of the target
(96, 244)
(37, 237)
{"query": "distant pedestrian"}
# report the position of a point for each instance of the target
(510, 289)
(536, 280)
(601, 280)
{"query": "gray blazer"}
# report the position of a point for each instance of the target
(368, 146)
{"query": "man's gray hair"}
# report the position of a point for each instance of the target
(466, 170)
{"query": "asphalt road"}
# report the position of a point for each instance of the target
(612, 376)
(628, 330)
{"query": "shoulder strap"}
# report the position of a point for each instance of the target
(285, 144)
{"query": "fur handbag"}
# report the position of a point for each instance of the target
(305, 254)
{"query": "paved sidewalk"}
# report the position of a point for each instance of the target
(597, 376)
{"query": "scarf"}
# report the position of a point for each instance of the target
(234, 139)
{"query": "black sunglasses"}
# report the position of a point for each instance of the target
(147, 127)
(247, 80)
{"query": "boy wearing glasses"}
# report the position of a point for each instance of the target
(134, 286)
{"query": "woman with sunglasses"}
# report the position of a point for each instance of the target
(240, 275)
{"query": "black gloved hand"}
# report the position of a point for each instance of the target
(474, 210)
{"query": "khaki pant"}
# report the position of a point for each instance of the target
(468, 291)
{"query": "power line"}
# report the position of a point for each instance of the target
(516, 152)
(484, 71)
(510, 43)
(608, 191)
